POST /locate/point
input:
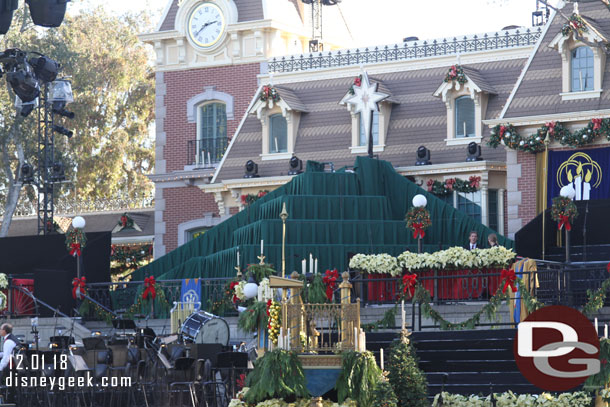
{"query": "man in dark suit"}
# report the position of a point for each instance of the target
(473, 241)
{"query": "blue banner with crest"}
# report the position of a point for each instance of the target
(191, 290)
(588, 171)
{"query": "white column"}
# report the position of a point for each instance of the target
(501, 211)
(484, 206)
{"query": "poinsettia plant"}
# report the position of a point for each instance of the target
(563, 212)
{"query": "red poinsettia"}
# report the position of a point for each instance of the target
(232, 288)
(330, 280)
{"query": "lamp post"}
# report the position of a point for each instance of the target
(419, 201)
(79, 223)
(568, 192)
(284, 216)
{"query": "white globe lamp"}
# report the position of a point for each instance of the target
(568, 191)
(420, 201)
(78, 222)
(251, 289)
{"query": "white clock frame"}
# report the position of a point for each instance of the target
(228, 8)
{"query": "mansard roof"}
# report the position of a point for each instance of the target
(538, 92)
(247, 10)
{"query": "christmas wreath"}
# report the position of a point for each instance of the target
(504, 134)
(454, 184)
(456, 73)
(251, 198)
(75, 241)
(357, 82)
(418, 220)
(269, 92)
(575, 24)
(563, 212)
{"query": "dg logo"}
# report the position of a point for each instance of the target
(556, 348)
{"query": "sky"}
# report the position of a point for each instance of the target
(389, 21)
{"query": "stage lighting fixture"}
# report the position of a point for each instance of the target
(47, 13)
(58, 108)
(24, 83)
(251, 170)
(296, 166)
(60, 90)
(45, 68)
(6, 14)
(63, 130)
(57, 172)
(25, 109)
(27, 174)
(423, 156)
(474, 152)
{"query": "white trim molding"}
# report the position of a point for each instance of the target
(587, 94)
(542, 119)
(210, 93)
(208, 221)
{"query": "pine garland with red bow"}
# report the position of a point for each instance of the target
(75, 241)
(418, 220)
(149, 288)
(79, 288)
(330, 280)
(509, 278)
(409, 282)
(456, 73)
(564, 212)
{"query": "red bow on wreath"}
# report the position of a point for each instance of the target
(149, 288)
(418, 230)
(78, 288)
(551, 128)
(357, 81)
(509, 278)
(123, 221)
(75, 249)
(232, 288)
(474, 181)
(502, 131)
(408, 282)
(597, 123)
(330, 279)
(453, 71)
(564, 220)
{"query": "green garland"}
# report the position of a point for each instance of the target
(260, 271)
(597, 298)
(600, 380)
(316, 293)
(456, 73)
(254, 317)
(278, 374)
(453, 184)
(388, 321)
(507, 134)
(359, 377)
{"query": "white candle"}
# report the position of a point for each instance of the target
(578, 187)
(596, 331)
(209, 159)
(310, 264)
(316, 267)
(355, 338)
(381, 357)
(580, 75)
(464, 129)
(262, 248)
(288, 344)
(403, 314)
(606, 331)
(238, 258)
(304, 266)
(277, 150)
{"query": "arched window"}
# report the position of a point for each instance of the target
(582, 69)
(363, 140)
(212, 135)
(464, 117)
(278, 134)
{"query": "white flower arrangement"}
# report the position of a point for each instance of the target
(239, 290)
(510, 399)
(265, 292)
(3, 281)
(376, 263)
(297, 403)
(458, 257)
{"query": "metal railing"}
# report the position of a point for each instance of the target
(206, 152)
(79, 206)
(406, 51)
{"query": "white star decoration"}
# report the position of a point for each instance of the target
(365, 101)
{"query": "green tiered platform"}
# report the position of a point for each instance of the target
(330, 216)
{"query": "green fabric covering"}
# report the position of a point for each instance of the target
(330, 215)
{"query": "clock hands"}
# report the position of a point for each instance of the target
(205, 25)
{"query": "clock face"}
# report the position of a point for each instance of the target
(206, 25)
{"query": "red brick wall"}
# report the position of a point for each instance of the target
(182, 205)
(239, 81)
(527, 186)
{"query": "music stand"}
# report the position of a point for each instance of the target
(124, 324)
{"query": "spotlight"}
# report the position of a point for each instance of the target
(6, 14)
(61, 91)
(47, 13)
(25, 109)
(45, 68)
(24, 83)
(296, 166)
(58, 108)
(423, 156)
(474, 152)
(63, 130)
(27, 174)
(57, 172)
(251, 170)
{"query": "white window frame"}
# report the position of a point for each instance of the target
(266, 109)
(450, 95)
(385, 110)
(455, 125)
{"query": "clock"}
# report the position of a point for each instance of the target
(206, 25)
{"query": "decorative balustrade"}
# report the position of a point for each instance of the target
(406, 51)
(75, 206)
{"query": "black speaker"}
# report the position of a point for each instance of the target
(6, 14)
(47, 13)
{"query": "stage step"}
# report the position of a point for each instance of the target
(470, 360)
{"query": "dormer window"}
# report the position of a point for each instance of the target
(278, 134)
(464, 117)
(582, 69)
(362, 141)
(581, 44)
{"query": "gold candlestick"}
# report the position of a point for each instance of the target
(262, 259)
(284, 216)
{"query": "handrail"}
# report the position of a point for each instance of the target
(101, 306)
(39, 301)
